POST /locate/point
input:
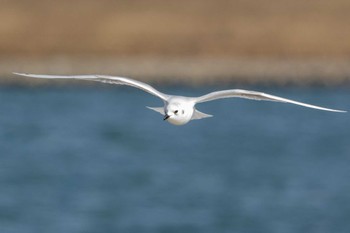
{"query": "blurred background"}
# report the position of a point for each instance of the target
(89, 157)
(197, 41)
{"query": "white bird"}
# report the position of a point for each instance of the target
(179, 110)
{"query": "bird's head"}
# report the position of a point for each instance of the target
(178, 114)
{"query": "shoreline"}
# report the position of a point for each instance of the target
(185, 70)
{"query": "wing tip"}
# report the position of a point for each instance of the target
(341, 111)
(333, 110)
(21, 74)
(330, 109)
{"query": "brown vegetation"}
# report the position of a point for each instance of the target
(279, 28)
(280, 41)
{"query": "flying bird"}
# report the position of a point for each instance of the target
(179, 110)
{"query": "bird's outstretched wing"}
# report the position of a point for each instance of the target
(105, 79)
(255, 96)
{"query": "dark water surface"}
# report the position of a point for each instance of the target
(96, 160)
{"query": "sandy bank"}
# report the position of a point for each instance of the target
(192, 71)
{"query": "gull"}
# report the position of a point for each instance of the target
(179, 110)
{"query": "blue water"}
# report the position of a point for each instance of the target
(94, 159)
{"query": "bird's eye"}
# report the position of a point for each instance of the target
(176, 111)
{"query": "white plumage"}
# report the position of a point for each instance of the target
(180, 110)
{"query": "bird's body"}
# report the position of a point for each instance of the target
(179, 110)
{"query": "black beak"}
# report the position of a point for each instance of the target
(166, 117)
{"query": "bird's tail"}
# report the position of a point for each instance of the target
(199, 115)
